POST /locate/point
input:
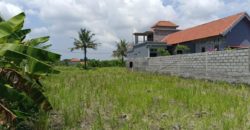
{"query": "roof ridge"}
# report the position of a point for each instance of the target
(171, 24)
(216, 20)
(212, 28)
(242, 14)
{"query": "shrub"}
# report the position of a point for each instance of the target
(180, 49)
(163, 52)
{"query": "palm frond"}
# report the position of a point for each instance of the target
(1, 19)
(85, 40)
(121, 49)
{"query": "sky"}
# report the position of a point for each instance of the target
(111, 20)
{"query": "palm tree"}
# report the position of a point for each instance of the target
(85, 41)
(1, 18)
(121, 50)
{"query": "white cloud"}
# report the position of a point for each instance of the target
(198, 9)
(112, 20)
(8, 10)
(101, 16)
(194, 12)
(38, 32)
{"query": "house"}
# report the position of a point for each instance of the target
(74, 61)
(146, 43)
(228, 32)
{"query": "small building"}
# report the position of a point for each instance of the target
(229, 32)
(147, 43)
(74, 61)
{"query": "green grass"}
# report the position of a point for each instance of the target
(115, 98)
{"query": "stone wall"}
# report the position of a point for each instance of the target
(231, 65)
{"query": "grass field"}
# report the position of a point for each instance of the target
(114, 98)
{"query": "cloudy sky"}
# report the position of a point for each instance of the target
(112, 20)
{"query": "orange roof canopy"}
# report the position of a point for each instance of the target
(164, 24)
(214, 28)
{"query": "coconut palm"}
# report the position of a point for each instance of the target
(85, 41)
(1, 18)
(121, 50)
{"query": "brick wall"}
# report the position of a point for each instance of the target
(231, 65)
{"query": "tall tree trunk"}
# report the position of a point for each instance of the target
(85, 57)
(122, 59)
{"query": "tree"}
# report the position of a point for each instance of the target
(22, 65)
(180, 49)
(162, 51)
(85, 41)
(1, 19)
(121, 50)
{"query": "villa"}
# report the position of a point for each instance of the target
(229, 32)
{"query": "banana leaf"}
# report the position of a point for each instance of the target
(9, 116)
(31, 89)
(18, 36)
(37, 41)
(12, 25)
(37, 53)
(23, 102)
(32, 66)
(46, 46)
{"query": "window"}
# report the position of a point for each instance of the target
(153, 54)
(179, 52)
(203, 49)
(153, 50)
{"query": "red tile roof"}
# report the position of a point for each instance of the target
(164, 24)
(75, 60)
(214, 28)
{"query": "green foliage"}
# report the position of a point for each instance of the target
(84, 42)
(228, 48)
(182, 48)
(105, 63)
(36, 41)
(115, 98)
(1, 19)
(14, 24)
(22, 64)
(162, 52)
(121, 50)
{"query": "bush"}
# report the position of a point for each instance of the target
(105, 63)
(181, 49)
(163, 52)
(94, 63)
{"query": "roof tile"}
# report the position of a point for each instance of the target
(164, 24)
(214, 28)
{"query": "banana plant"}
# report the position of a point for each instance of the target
(22, 64)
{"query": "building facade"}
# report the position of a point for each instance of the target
(147, 43)
(231, 32)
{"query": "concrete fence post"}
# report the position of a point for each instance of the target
(249, 60)
(178, 64)
(206, 62)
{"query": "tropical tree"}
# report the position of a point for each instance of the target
(180, 49)
(22, 65)
(84, 41)
(162, 51)
(121, 50)
(1, 19)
